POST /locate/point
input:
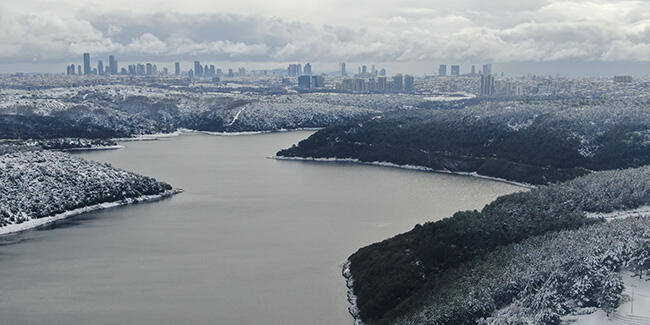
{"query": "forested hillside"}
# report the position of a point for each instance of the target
(534, 142)
(36, 184)
(391, 277)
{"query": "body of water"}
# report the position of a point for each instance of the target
(250, 241)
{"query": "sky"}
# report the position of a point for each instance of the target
(574, 36)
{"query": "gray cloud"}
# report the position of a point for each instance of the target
(498, 31)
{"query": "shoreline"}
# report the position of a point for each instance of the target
(115, 147)
(181, 131)
(408, 167)
(39, 222)
(353, 309)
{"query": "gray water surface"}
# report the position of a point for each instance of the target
(250, 241)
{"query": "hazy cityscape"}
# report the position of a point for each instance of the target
(256, 162)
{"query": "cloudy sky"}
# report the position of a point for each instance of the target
(517, 33)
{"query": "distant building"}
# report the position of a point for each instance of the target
(398, 83)
(112, 64)
(149, 69)
(230, 73)
(307, 69)
(190, 74)
(304, 82)
(177, 68)
(487, 69)
(623, 79)
(294, 70)
(382, 85)
(409, 83)
(360, 84)
(198, 69)
(79, 69)
(317, 81)
(87, 69)
(242, 72)
(487, 85)
(455, 70)
(382, 72)
(442, 70)
(342, 69)
(473, 70)
(100, 67)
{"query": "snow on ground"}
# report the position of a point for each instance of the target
(634, 310)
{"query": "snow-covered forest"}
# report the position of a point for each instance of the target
(36, 184)
(536, 142)
(457, 266)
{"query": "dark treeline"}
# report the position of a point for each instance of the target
(534, 142)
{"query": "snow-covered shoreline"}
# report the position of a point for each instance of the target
(92, 148)
(353, 309)
(256, 132)
(409, 167)
(35, 223)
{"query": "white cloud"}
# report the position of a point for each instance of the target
(418, 30)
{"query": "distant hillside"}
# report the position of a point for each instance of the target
(534, 142)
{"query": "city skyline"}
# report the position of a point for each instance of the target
(520, 37)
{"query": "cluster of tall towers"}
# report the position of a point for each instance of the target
(111, 68)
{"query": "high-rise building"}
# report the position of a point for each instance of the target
(79, 69)
(242, 71)
(198, 69)
(112, 64)
(149, 69)
(230, 73)
(381, 84)
(87, 69)
(409, 83)
(100, 67)
(342, 69)
(473, 70)
(304, 82)
(382, 72)
(442, 70)
(487, 85)
(455, 70)
(307, 68)
(487, 69)
(398, 83)
(177, 68)
(317, 81)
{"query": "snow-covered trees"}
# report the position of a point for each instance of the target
(36, 184)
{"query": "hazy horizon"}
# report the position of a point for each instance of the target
(517, 37)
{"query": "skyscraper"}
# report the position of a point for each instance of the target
(409, 83)
(442, 70)
(455, 70)
(87, 69)
(177, 68)
(307, 68)
(398, 83)
(198, 69)
(342, 68)
(473, 70)
(487, 85)
(304, 82)
(487, 69)
(112, 64)
(100, 67)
